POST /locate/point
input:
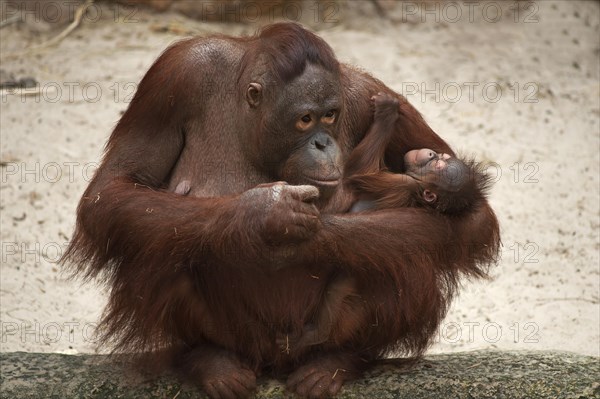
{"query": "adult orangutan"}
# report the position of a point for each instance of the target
(211, 282)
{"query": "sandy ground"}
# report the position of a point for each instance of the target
(520, 90)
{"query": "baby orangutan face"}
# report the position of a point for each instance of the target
(425, 159)
(436, 171)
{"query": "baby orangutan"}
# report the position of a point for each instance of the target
(432, 180)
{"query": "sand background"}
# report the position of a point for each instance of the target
(520, 90)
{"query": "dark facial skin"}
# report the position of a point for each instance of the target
(301, 148)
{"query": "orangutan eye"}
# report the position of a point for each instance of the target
(329, 117)
(304, 123)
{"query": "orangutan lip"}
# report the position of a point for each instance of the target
(325, 183)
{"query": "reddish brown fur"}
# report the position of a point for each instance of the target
(189, 273)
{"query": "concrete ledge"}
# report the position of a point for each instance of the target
(481, 374)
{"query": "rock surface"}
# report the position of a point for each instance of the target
(479, 374)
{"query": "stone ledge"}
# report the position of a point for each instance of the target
(480, 374)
